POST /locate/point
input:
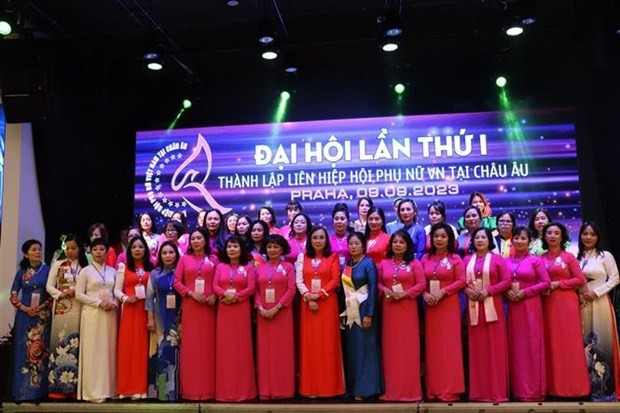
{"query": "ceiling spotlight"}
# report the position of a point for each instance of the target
(153, 61)
(266, 31)
(291, 69)
(392, 25)
(390, 46)
(232, 3)
(187, 103)
(514, 31)
(285, 95)
(270, 54)
(528, 20)
(501, 81)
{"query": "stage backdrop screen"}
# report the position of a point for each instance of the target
(519, 160)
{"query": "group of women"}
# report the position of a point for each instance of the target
(335, 307)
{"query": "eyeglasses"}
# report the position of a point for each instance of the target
(504, 221)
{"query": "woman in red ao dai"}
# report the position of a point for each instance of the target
(401, 281)
(234, 283)
(526, 342)
(445, 276)
(487, 279)
(133, 335)
(567, 373)
(320, 352)
(377, 239)
(193, 279)
(275, 347)
(338, 239)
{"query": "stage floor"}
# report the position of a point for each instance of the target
(314, 407)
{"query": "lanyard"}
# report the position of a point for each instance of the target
(74, 271)
(170, 276)
(340, 241)
(272, 269)
(140, 273)
(437, 262)
(200, 262)
(395, 267)
(515, 269)
(316, 262)
(102, 275)
(300, 247)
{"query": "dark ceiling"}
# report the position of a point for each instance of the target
(207, 40)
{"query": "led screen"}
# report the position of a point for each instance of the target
(519, 160)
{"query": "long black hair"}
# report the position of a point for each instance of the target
(244, 257)
(310, 252)
(82, 260)
(409, 255)
(146, 262)
(452, 248)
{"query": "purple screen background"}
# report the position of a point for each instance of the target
(531, 163)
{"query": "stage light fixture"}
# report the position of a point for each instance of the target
(501, 81)
(187, 103)
(266, 31)
(392, 24)
(514, 31)
(285, 95)
(528, 20)
(153, 61)
(390, 46)
(232, 3)
(5, 27)
(270, 51)
(399, 88)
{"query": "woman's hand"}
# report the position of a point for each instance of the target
(211, 300)
(366, 323)
(314, 306)
(554, 285)
(131, 299)
(590, 295)
(471, 293)
(200, 298)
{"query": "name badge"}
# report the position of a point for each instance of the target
(478, 284)
(315, 285)
(199, 286)
(435, 287)
(171, 301)
(514, 286)
(140, 292)
(270, 295)
(398, 288)
(35, 300)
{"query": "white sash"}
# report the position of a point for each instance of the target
(474, 306)
(353, 298)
